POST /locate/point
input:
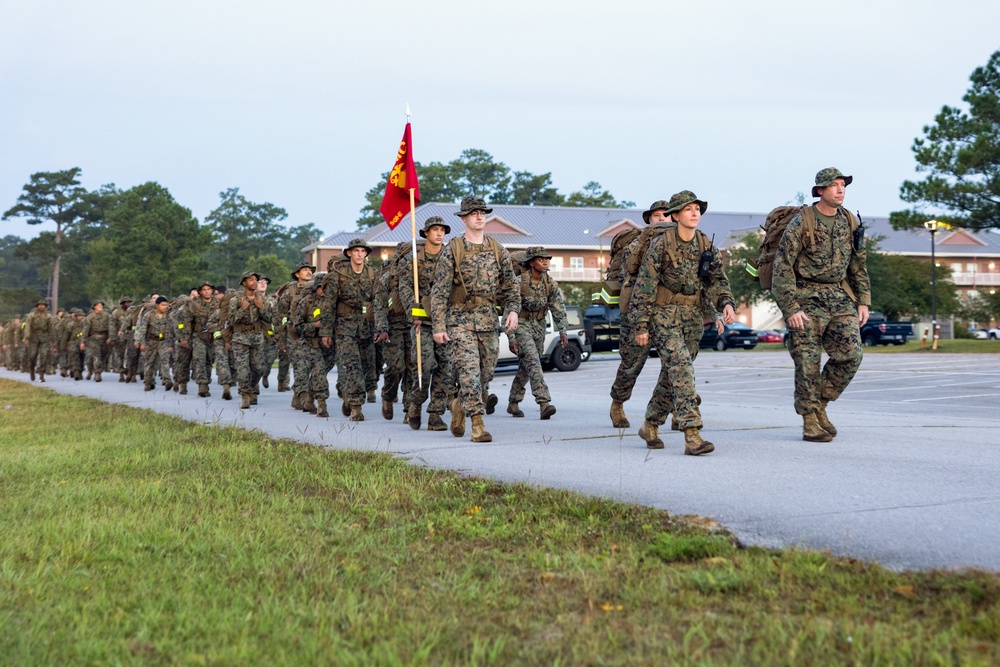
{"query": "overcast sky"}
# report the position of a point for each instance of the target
(300, 103)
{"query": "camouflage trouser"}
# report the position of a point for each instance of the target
(201, 359)
(354, 344)
(37, 358)
(438, 378)
(530, 337)
(248, 364)
(692, 330)
(182, 362)
(131, 355)
(97, 348)
(474, 356)
(74, 360)
(669, 330)
(833, 327)
(115, 354)
(369, 361)
(633, 359)
(270, 354)
(300, 371)
(396, 356)
(222, 367)
(314, 379)
(157, 357)
(284, 359)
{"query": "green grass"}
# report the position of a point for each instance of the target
(136, 538)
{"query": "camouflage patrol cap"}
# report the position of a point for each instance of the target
(247, 274)
(125, 299)
(535, 251)
(41, 302)
(470, 204)
(358, 243)
(682, 199)
(198, 288)
(825, 177)
(434, 220)
(76, 311)
(315, 282)
(658, 205)
(97, 301)
(300, 266)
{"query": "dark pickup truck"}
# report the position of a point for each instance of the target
(877, 331)
(602, 324)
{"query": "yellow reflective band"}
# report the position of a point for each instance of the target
(752, 270)
(160, 335)
(217, 334)
(270, 332)
(419, 312)
(180, 326)
(79, 335)
(284, 320)
(605, 297)
(364, 310)
(389, 305)
(316, 313)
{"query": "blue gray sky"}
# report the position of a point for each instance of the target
(300, 103)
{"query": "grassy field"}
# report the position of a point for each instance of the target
(131, 537)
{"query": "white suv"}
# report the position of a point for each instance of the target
(565, 359)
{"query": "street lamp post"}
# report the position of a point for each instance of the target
(932, 227)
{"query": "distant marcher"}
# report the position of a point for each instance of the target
(154, 337)
(249, 316)
(39, 327)
(97, 332)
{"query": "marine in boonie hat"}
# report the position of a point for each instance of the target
(533, 252)
(471, 204)
(826, 177)
(658, 205)
(300, 266)
(358, 243)
(125, 299)
(247, 274)
(434, 220)
(682, 199)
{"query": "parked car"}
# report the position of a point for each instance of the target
(994, 333)
(981, 334)
(877, 331)
(736, 335)
(563, 358)
(768, 336)
(603, 326)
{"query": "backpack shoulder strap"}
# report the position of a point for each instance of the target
(669, 241)
(809, 223)
(851, 218)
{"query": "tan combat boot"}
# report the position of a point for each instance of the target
(824, 421)
(245, 401)
(435, 423)
(457, 418)
(812, 431)
(371, 395)
(321, 408)
(356, 415)
(345, 409)
(618, 418)
(479, 432)
(297, 401)
(547, 410)
(203, 390)
(650, 433)
(168, 385)
(694, 445)
(307, 403)
(387, 410)
(413, 417)
(121, 377)
(513, 410)
(183, 385)
(282, 386)
(490, 401)
(226, 396)
(97, 376)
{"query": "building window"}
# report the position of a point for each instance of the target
(556, 264)
(576, 262)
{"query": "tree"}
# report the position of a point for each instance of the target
(271, 266)
(242, 229)
(150, 244)
(476, 173)
(534, 190)
(593, 196)
(901, 286)
(961, 154)
(746, 290)
(53, 196)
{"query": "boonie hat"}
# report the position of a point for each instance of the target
(535, 251)
(826, 177)
(434, 220)
(470, 204)
(658, 205)
(682, 199)
(358, 243)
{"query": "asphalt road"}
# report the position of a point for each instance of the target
(911, 481)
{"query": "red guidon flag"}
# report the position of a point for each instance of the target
(396, 201)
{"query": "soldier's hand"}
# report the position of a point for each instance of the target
(244, 304)
(170, 349)
(642, 340)
(510, 323)
(142, 347)
(563, 339)
(514, 347)
(798, 321)
(441, 338)
(719, 327)
(81, 347)
(728, 314)
(416, 324)
(185, 344)
(862, 315)
(326, 341)
(382, 337)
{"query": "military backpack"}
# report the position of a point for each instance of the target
(631, 269)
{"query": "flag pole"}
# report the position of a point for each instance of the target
(416, 277)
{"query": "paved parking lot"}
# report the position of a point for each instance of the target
(911, 481)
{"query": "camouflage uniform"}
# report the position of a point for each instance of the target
(118, 342)
(435, 359)
(97, 330)
(192, 327)
(156, 332)
(218, 327)
(312, 320)
(181, 356)
(810, 277)
(393, 319)
(74, 336)
(471, 324)
(39, 328)
(348, 296)
(669, 302)
(536, 301)
(248, 325)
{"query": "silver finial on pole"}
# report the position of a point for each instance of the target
(407, 111)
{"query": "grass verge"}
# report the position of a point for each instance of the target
(132, 537)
